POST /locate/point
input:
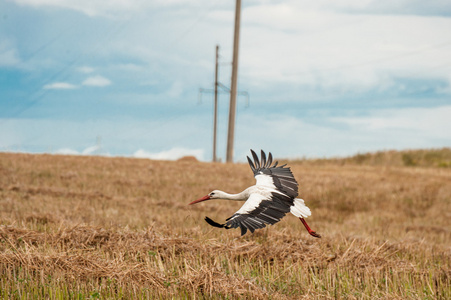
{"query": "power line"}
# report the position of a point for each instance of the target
(38, 94)
(188, 29)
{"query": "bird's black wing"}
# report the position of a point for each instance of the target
(278, 177)
(257, 212)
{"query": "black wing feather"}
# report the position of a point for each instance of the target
(268, 164)
(267, 212)
(281, 175)
(263, 155)
(257, 162)
(251, 164)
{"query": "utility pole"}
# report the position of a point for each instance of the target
(216, 104)
(233, 92)
(219, 88)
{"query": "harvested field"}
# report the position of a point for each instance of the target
(80, 227)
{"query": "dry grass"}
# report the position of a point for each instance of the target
(112, 228)
(440, 158)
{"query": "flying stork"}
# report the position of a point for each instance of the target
(273, 196)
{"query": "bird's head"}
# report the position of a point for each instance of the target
(213, 195)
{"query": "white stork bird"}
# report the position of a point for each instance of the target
(267, 201)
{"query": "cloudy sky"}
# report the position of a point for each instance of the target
(325, 78)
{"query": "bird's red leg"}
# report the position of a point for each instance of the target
(312, 233)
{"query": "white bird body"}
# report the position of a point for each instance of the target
(273, 195)
(260, 193)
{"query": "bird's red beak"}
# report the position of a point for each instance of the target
(200, 200)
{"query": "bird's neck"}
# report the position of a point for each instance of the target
(236, 197)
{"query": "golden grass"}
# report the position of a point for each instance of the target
(425, 158)
(116, 228)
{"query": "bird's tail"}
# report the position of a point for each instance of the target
(299, 209)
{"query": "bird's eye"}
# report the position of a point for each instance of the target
(212, 194)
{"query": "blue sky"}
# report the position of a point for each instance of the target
(325, 78)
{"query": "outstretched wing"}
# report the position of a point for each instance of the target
(276, 177)
(258, 211)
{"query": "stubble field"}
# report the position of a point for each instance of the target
(116, 228)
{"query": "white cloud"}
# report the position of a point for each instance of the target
(59, 86)
(424, 122)
(90, 8)
(66, 151)
(97, 80)
(172, 154)
(332, 51)
(176, 90)
(8, 55)
(91, 150)
(116, 8)
(414, 7)
(86, 69)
